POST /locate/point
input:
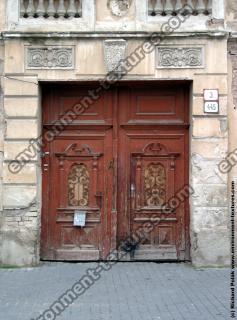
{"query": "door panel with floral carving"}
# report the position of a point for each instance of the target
(120, 162)
(154, 154)
(74, 182)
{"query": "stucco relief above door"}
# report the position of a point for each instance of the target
(119, 8)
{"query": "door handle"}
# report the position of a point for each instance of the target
(99, 196)
(132, 195)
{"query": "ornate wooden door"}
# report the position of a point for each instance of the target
(153, 170)
(76, 176)
(121, 162)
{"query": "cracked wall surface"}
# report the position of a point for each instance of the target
(232, 89)
(19, 242)
(2, 129)
(231, 18)
(20, 121)
(208, 144)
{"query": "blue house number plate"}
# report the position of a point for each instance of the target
(79, 218)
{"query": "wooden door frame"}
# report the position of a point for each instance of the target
(114, 217)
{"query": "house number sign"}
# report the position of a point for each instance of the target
(79, 218)
(211, 101)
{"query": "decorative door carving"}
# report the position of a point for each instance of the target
(74, 179)
(78, 185)
(153, 181)
(153, 152)
(120, 162)
(154, 185)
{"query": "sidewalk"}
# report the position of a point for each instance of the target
(129, 291)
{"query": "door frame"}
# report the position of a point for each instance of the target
(114, 218)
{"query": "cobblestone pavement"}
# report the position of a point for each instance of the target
(129, 291)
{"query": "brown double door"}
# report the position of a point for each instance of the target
(119, 165)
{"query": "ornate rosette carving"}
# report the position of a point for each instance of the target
(119, 8)
(50, 58)
(175, 57)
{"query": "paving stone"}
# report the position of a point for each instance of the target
(129, 291)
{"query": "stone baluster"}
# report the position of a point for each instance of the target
(183, 7)
(178, 6)
(189, 8)
(150, 8)
(51, 8)
(40, 11)
(201, 8)
(71, 8)
(78, 8)
(61, 8)
(209, 6)
(168, 7)
(31, 9)
(159, 9)
(23, 9)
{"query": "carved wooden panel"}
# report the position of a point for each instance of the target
(166, 236)
(83, 238)
(153, 149)
(89, 105)
(154, 181)
(155, 105)
(78, 185)
(154, 185)
(153, 171)
(121, 162)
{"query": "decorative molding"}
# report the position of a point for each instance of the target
(154, 184)
(119, 8)
(168, 7)
(50, 58)
(114, 52)
(180, 57)
(73, 151)
(50, 8)
(78, 185)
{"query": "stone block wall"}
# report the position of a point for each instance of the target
(20, 228)
(232, 112)
(19, 240)
(209, 228)
(2, 128)
(210, 215)
(20, 113)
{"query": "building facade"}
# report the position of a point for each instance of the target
(103, 130)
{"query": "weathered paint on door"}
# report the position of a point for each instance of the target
(120, 161)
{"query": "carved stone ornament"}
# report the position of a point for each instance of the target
(119, 8)
(175, 57)
(114, 52)
(50, 58)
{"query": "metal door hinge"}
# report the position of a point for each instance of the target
(44, 154)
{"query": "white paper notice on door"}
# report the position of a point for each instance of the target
(79, 219)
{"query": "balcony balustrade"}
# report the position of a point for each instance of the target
(174, 7)
(51, 9)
